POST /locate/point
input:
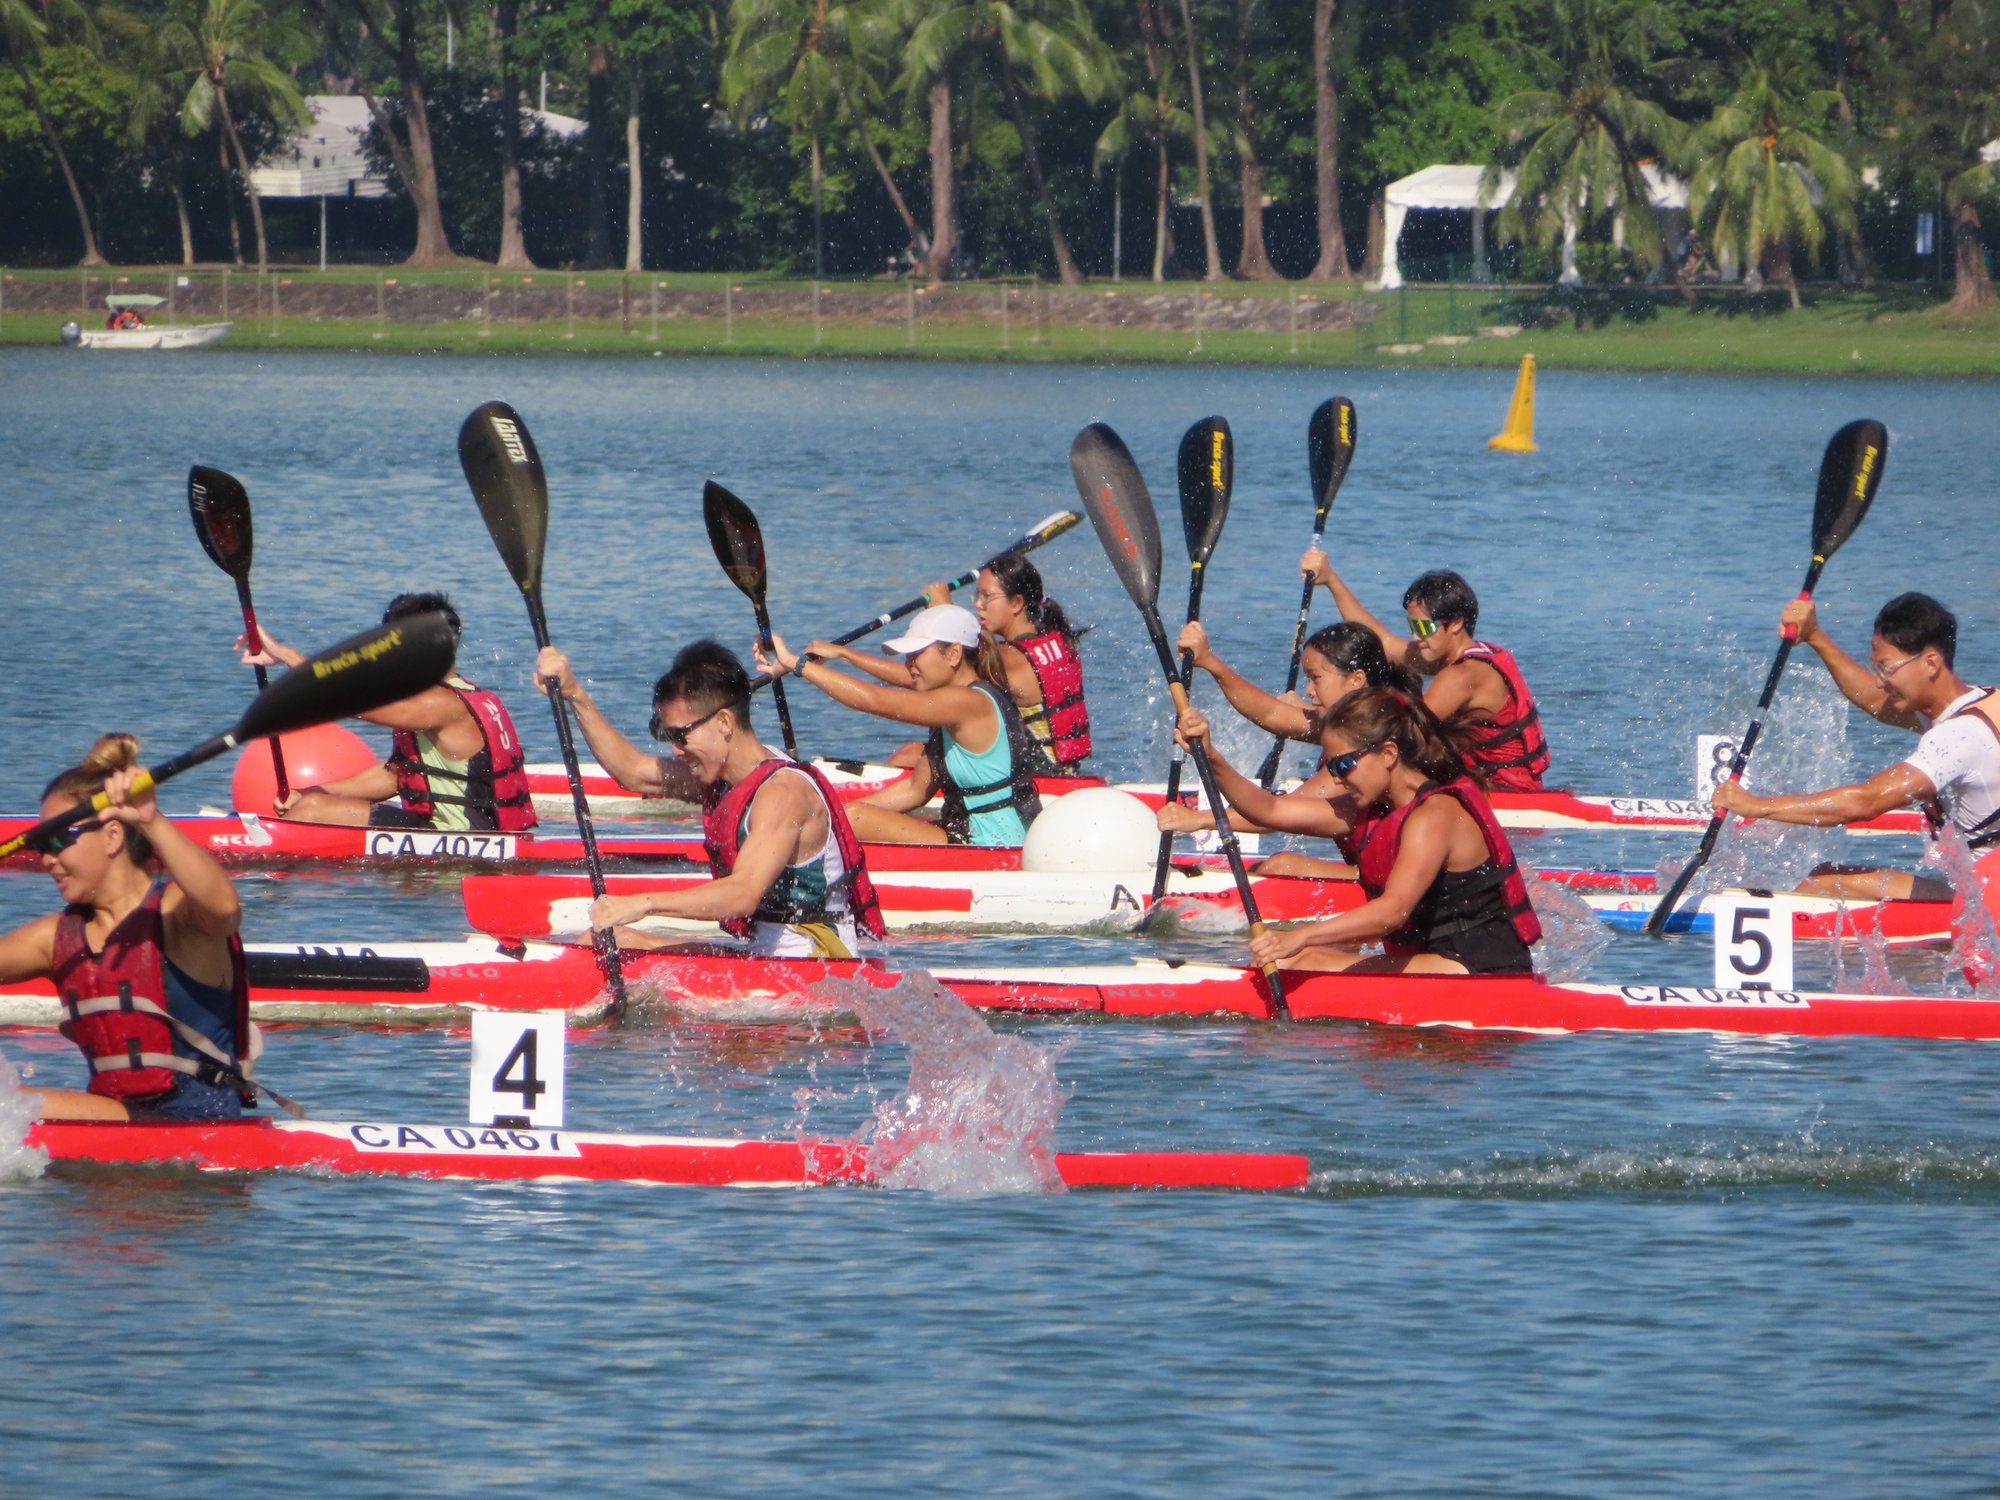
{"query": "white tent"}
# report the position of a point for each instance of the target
(1457, 188)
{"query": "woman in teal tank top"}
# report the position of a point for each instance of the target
(980, 755)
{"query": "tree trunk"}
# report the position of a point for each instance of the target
(819, 215)
(91, 257)
(513, 240)
(187, 225)
(1378, 230)
(1777, 262)
(597, 156)
(944, 218)
(416, 163)
(1154, 33)
(1211, 251)
(917, 237)
(1253, 263)
(1066, 266)
(1973, 288)
(635, 189)
(229, 198)
(1332, 263)
(243, 168)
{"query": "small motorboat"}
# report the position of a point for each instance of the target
(127, 328)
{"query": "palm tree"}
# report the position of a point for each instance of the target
(1761, 181)
(222, 46)
(1577, 144)
(1153, 114)
(25, 28)
(1332, 263)
(1211, 251)
(1046, 48)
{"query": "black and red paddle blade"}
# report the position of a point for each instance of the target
(379, 666)
(504, 471)
(1207, 470)
(220, 507)
(1330, 448)
(1849, 475)
(737, 539)
(1115, 499)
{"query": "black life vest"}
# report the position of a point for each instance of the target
(961, 802)
(1458, 902)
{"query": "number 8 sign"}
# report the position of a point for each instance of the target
(517, 1068)
(1753, 943)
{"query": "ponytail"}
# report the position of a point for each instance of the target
(1382, 716)
(989, 663)
(111, 754)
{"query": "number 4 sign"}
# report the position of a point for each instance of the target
(1753, 943)
(517, 1068)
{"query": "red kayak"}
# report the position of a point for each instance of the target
(490, 1153)
(393, 982)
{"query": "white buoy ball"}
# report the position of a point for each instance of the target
(1096, 831)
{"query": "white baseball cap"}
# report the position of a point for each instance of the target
(940, 625)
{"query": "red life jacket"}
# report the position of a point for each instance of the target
(1062, 713)
(117, 1008)
(125, 318)
(1494, 891)
(723, 810)
(1511, 752)
(496, 790)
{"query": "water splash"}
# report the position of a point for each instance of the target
(978, 1114)
(19, 1162)
(1572, 935)
(1975, 945)
(1876, 976)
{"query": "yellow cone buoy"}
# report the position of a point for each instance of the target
(1518, 435)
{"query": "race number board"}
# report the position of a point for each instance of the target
(517, 1068)
(1713, 755)
(1753, 942)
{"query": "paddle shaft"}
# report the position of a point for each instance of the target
(254, 639)
(1196, 573)
(1206, 773)
(777, 683)
(1657, 922)
(604, 940)
(1268, 772)
(166, 770)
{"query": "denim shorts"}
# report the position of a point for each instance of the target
(189, 1099)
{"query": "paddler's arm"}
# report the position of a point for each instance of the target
(28, 952)
(906, 793)
(433, 711)
(1858, 684)
(1268, 810)
(783, 806)
(1265, 710)
(1899, 786)
(884, 668)
(1315, 566)
(1420, 857)
(631, 767)
(202, 905)
(946, 707)
(376, 784)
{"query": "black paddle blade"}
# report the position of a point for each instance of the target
(505, 473)
(1115, 499)
(1207, 470)
(221, 510)
(1849, 475)
(1330, 448)
(361, 673)
(736, 537)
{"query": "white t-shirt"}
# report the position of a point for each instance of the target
(1960, 754)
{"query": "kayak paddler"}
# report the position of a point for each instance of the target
(144, 956)
(979, 753)
(789, 873)
(1445, 895)
(1954, 772)
(1473, 682)
(455, 761)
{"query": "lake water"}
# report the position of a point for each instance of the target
(1572, 1266)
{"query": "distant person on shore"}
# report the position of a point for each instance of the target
(1474, 683)
(455, 762)
(1954, 772)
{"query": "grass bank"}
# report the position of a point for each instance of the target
(1897, 331)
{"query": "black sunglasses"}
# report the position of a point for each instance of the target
(677, 734)
(1340, 765)
(58, 839)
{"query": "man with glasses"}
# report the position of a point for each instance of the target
(789, 874)
(1473, 682)
(1954, 773)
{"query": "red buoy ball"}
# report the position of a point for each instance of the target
(313, 757)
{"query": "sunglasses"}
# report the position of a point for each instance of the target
(677, 734)
(1423, 630)
(59, 839)
(1883, 674)
(1342, 765)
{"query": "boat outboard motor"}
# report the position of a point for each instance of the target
(72, 335)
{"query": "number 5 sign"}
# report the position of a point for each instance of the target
(1753, 943)
(517, 1068)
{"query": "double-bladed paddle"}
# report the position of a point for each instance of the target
(504, 471)
(221, 510)
(1115, 498)
(1207, 470)
(1329, 450)
(1849, 475)
(739, 546)
(363, 672)
(1051, 528)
